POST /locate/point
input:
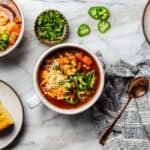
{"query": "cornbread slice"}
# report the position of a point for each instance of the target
(6, 120)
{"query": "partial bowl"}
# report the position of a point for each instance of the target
(51, 106)
(19, 38)
(146, 22)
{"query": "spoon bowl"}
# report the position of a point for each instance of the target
(138, 87)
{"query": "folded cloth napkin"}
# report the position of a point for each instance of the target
(132, 131)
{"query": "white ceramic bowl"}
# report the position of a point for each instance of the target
(61, 110)
(10, 49)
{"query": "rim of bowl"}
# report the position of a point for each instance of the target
(61, 110)
(143, 19)
(9, 50)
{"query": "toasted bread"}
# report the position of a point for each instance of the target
(6, 120)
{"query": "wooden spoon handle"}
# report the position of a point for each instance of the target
(108, 130)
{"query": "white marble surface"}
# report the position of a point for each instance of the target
(44, 129)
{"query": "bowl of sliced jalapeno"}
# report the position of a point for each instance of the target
(51, 27)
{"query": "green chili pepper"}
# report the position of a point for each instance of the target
(91, 80)
(3, 45)
(81, 95)
(80, 78)
(83, 30)
(93, 12)
(104, 26)
(81, 87)
(5, 37)
(79, 81)
(68, 86)
(70, 100)
(78, 94)
(70, 78)
(75, 80)
(103, 13)
(99, 13)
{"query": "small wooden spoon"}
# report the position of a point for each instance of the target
(136, 88)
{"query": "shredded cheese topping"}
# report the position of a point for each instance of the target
(55, 78)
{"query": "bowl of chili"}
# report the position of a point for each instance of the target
(68, 78)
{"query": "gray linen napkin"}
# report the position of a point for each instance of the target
(132, 131)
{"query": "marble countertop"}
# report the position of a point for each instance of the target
(43, 128)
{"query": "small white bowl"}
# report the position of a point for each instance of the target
(10, 49)
(74, 110)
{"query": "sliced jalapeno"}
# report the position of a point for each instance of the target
(80, 78)
(91, 80)
(81, 95)
(103, 13)
(104, 26)
(83, 30)
(93, 12)
(81, 87)
(3, 45)
(68, 85)
(5, 37)
(78, 94)
(70, 100)
(70, 78)
(99, 13)
(79, 81)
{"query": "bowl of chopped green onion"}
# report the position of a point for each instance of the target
(51, 27)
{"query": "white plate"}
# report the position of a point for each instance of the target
(146, 22)
(11, 101)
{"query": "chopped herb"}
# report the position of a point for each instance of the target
(50, 25)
